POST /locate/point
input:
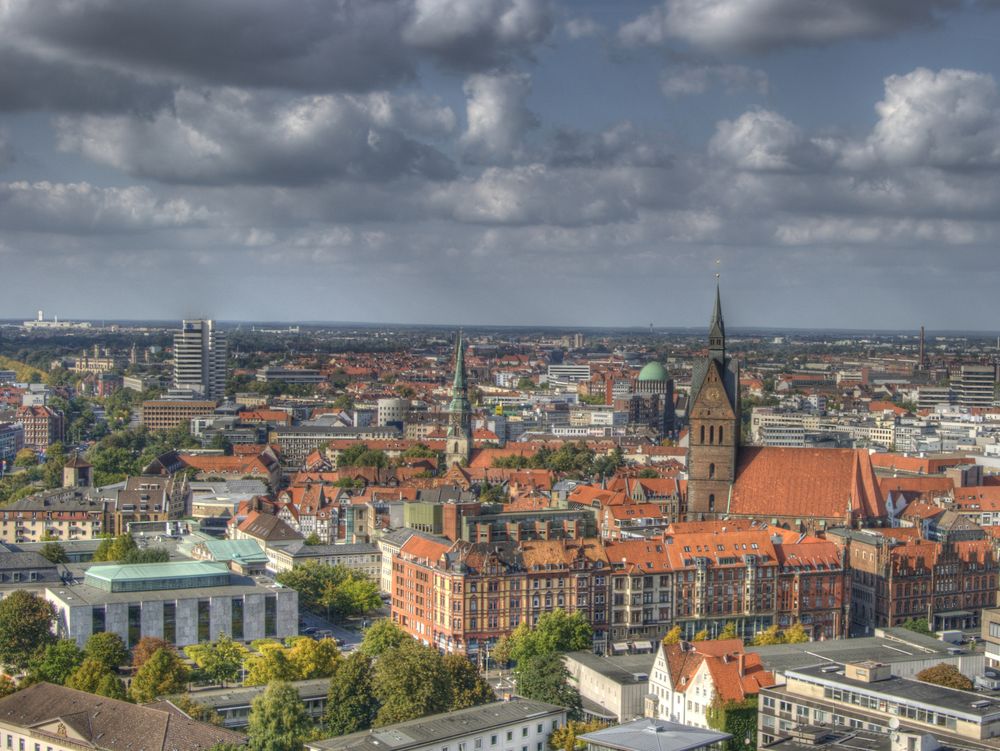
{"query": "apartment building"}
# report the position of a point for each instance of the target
(200, 359)
(893, 580)
(361, 557)
(11, 441)
(63, 514)
(42, 425)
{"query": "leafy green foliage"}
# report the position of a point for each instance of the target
(107, 649)
(56, 663)
(739, 719)
(303, 658)
(382, 636)
(162, 674)
(673, 636)
(945, 674)
(555, 632)
(147, 555)
(25, 627)
(544, 677)
(278, 720)
(53, 552)
(351, 704)
(332, 589)
(146, 648)
(794, 634)
(918, 625)
(729, 631)
(468, 687)
(220, 661)
(197, 711)
(362, 456)
(564, 738)
(115, 549)
(93, 676)
(7, 685)
(410, 681)
(572, 459)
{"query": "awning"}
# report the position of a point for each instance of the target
(643, 645)
(620, 646)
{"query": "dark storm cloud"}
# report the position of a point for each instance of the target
(30, 81)
(759, 25)
(306, 45)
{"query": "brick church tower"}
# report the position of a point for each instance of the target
(714, 417)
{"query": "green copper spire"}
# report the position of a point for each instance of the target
(459, 391)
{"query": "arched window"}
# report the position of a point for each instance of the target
(711, 471)
(702, 434)
(711, 434)
(721, 429)
(711, 501)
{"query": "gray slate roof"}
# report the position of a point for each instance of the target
(654, 735)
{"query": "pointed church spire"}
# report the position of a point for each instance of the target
(717, 328)
(458, 385)
(459, 442)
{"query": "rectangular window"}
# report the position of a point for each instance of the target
(170, 622)
(134, 624)
(270, 616)
(237, 620)
(99, 620)
(204, 620)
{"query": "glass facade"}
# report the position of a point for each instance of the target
(237, 622)
(99, 620)
(204, 620)
(134, 624)
(170, 622)
(270, 616)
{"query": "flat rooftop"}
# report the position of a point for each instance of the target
(75, 595)
(619, 668)
(893, 647)
(970, 704)
(654, 735)
(239, 696)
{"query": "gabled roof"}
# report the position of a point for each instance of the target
(806, 484)
(108, 724)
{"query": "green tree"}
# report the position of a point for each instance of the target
(93, 677)
(564, 738)
(468, 687)
(313, 539)
(272, 664)
(356, 595)
(410, 681)
(701, 635)
(56, 663)
(25, 627)
(147, 555)
(501, 652)
(795, 634)
(729, 631)
(196, 711)
(944, 674)
(25, 458)
(108, 649)
(770, 635)
(918, 625)
(351, 704)
(673, 636)
(7, 686)
(554, 632)
(544, 677)
(313, 658)
(220, 661)
(278, 720)
(382, 636)
(116, 549)
(162, 674)
(53, 552)
(146, 648)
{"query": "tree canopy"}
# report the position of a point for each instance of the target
(278, 720)
(382, 635)
(544, 677)
(25, 627)
(162, 674)
(93, 676)
(220, 661)
(56, 662)
(555, 632)
(332, 589)
(945, 674)
(351, 703)
(108, 649)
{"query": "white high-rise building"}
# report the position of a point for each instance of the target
(200, 359)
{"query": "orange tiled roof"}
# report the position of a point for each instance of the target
(806, 483)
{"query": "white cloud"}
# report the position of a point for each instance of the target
(235, 136)
(679, 80)
(498, 118)
(582, 27)
(947, 119)
(765, 141)
(757, 25)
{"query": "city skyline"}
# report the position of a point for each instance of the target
(527, 162)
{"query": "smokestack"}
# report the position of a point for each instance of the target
(921, 363)
(41, 315)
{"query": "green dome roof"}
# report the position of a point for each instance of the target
(653, 372)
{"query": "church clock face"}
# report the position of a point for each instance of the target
(713, 395)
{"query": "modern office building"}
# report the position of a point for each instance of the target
(200, 359)
(181, 602)
(167, 414)
(11, 441)
(975, 385)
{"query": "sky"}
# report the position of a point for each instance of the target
(556, 162)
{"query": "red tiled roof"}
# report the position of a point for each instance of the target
(806, 483)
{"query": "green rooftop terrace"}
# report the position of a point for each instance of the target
(146, 577)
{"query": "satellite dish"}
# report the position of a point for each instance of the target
(894, 723)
